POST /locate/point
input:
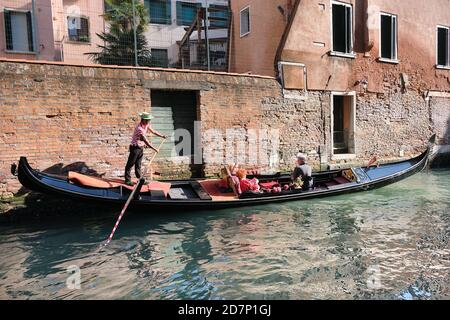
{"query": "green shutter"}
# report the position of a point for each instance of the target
(186, 12)
(168, 12)
(172, 110)
(179, 13)
(8, 31)
(160, 11)
(84, 32)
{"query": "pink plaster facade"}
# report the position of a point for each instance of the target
(51, 29)
(255, 52)
(310, 36)
(75, 51)
(308, 40)
(44, 36)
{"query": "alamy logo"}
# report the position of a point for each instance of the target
(74, 280)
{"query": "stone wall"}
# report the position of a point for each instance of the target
(391, 124)
(68, 117)
(440, 117)
(81, 117)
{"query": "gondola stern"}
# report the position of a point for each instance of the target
(25, 174)
(432, 140)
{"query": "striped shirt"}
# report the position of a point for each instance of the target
(139, 131)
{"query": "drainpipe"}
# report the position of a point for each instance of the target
(367, 44)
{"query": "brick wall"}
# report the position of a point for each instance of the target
(81, 117)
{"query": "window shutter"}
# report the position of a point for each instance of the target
(8, 33)
(349, 29)
(168, 16)
(394, 37)
(447, 48)
(179, 14)
(84, 28)
(30, 32)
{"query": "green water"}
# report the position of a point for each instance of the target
(391, 243)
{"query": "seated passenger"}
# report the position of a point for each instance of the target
(245, 184)
(224, 183)
(302, 175)
(229, 182)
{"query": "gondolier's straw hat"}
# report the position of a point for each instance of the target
(145, 116)
(301, 156)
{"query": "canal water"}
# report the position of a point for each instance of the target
(390, 243)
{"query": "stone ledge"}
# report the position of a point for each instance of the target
(58, 63)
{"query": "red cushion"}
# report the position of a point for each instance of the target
(269, 185)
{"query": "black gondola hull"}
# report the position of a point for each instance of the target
(46, 184)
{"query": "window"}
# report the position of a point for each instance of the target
(18, 31)
(186, 12)
(443, 47)
(218, 16)
(159, 10)
(160, 58)
(245, 21)
(342, 28)
(388, 36)
(78, 28)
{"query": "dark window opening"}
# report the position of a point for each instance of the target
(18, 31)
(78, 29)
(389, 37)
(159, 11)
(186, 12)
(342, 28)
(160, 58)
(443, 47)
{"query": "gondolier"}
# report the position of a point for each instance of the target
(138, 142)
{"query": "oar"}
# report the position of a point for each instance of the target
(153, 157)
(138, 186)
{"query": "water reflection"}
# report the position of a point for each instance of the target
(329, 249)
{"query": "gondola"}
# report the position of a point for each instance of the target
(198, 194)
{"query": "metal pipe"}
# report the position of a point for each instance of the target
(206, 35)
(134, 35)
